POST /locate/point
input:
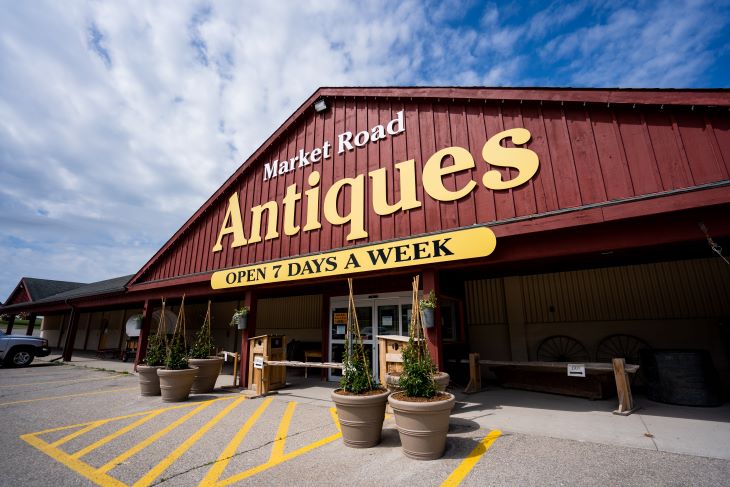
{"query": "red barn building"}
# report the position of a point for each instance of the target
(551, 223)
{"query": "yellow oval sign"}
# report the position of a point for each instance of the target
(469, 243)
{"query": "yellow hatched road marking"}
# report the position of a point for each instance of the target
(277, 450)
(80, 432)
(468, 463)
(69, 381)
(333, 413)
(97, 475)
(100, 475)
(60, 428)
(222, 461)
(140, 446)
(76, 465)
(157, 470)
(288, 456)
(50, 398)
(118, 433)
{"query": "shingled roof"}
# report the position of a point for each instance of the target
(42, 288)
(108, 286)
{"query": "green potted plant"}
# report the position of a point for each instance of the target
(421, 411)
(149, 381)
(202, 356)
(428, 306)
(360, 400)
(240, 317)
(177, 377)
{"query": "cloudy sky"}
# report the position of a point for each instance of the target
(119, 119)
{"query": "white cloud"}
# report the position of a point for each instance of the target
(119, 119)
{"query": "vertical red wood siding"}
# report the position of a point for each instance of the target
(588, 154)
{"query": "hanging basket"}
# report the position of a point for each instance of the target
(241, 321)
(427, 317)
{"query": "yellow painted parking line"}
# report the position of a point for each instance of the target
(468, 463)
(69, 381)
(151, 439)
(277, 450)
(118, 433)
(286, 457)
(51, 398)
(215, 472)
(59, 428)
(333, 413)
(157, 470)
(80, 432)
(74, 464)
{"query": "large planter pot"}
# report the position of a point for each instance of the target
(361, 417)
(422, 426)
(149, 381)
(208, 371)
(175, 384)
(392, 381)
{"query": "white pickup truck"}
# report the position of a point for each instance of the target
(20, 350)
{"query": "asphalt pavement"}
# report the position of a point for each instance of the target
(70, 425)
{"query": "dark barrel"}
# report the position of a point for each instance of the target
(682, 377)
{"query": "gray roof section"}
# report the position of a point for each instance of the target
(109, 286)
(117, 284)
(42, 288)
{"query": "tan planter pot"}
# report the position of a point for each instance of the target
(441, 378)
(422, 426)
(361, 418)
(208, 371)
(175, 384)
(149, 382)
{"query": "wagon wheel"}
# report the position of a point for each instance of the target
(621, 346)
(561, 348)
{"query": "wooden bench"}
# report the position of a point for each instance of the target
(552, 377)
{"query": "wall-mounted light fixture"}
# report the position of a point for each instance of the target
(320, 105)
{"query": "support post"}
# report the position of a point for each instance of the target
(144, 334)
(623, 388)
(250, 331)
(325, 333)
(73, 324)
(61, 330)
(475, 375)
(11, 322)
(516, 318)
(433, 334)
(31, 324)
(122, 331)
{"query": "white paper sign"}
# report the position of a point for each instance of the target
(576, 370)
(258, 362)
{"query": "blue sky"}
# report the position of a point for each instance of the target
(119, 119)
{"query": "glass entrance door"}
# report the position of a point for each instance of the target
(385, 314)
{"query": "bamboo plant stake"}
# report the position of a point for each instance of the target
(353, 329)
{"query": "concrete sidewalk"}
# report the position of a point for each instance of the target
(661, 427)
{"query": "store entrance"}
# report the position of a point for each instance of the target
(381, 314)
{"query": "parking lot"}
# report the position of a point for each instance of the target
(70, 425)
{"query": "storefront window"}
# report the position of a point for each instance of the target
(388, 320)
(405, 319)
